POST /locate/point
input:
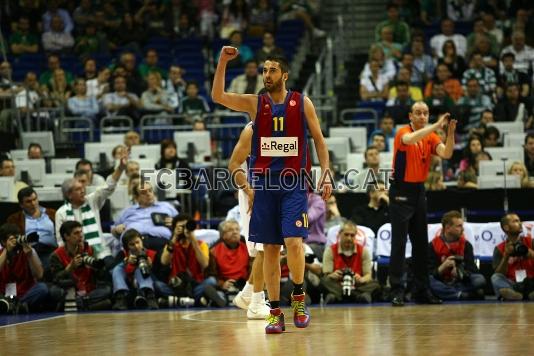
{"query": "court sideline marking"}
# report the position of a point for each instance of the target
(33, 321)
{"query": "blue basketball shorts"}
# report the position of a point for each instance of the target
(280, 209)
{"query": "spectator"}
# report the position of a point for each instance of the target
(513, 108)
(130, 36)
(529, 153)
(333, 216)
(20, 271)
(480, 32)
(193, 104)
(524, 55)
(229, 260)
(25, 101)
(519, 169)
(89, 69)
(378, 140)
(375, 85)
(86, 209)
(447, 34)
(53, 64)
(491, 137)
(453, 272)
(490, 26)
(387, 66)
(391, 49)
(344, 256)
(302, 10)
(417, 78)
(475, 102)
(92, 42)
(473, 147)
(93, 179)
(178, 18)
(371, 172)
(261, 20)
(400, 29)
(376, 212)
(452, 86)
(452, 59)
(386, 128)
(169, 158)
(155, 100)
(249, 82)
(60, 90)
(434, 181)
(514, 272)
(55, 11)
(439, 102)
(430, 12)
(34, 218)
(134, 81)
(57, 39)
(72, 267)
(121, 102)
(83, 14)
(7, 169)
(245, 53)
(404, 76)
(149, 217)
(467, 179)
(485, 76)
(112, 18)
(150, 18)
(150, 65)
(131, 138)
(235, 17)
(422, 62)
(99, 86)
(81, 104)
(23, 41)
(401, 103)
(510, 75)
(186, 258)
(134, 271)
(175, 86)
(489, 57)
(35, 151)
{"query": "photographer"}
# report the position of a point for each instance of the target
(454, 275)
(136, 270)
(186, 258)
(513, 262)
(347, 269)
(20, 269)
(73, 265)
(229, 260)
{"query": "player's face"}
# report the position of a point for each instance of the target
(419, 115)
(273, 78)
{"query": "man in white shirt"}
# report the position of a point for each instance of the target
(447, 33)
(249, 82)
(524, 55)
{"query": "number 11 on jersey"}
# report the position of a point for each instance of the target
(278, 123)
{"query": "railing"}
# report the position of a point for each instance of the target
(72, 130)
(116, 124)
(347, 117)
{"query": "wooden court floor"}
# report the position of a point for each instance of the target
(453, 329)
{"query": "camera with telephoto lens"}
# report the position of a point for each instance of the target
(142, 263)
(7, 304)
(347, 282)
(90, 261)
(309, 258)
(173, 302)
(27, 239)
(520, 250)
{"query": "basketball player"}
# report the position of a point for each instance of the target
(279, 161)
(252, 297)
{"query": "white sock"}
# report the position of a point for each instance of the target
(247, 290)
(257, 297)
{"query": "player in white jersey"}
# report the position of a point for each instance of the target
(252, 297)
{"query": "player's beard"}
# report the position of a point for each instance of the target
(274, 86)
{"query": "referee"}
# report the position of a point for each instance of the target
(413, 147)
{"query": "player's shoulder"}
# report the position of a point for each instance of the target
(403, 130)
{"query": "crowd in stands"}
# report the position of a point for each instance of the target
(473, 59)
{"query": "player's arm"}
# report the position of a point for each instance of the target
(239, 155)
(416, 136)
(237, 102)
(320, 146)
(445, 150)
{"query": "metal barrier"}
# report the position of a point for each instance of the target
(154, 128)
(116, 124)
(353, 120)
(326, 109)
(75, 130)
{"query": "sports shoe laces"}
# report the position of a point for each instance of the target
(299, 307)
(272, 319)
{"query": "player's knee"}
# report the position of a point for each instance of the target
(293, 244)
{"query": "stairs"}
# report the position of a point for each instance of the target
(308, 67)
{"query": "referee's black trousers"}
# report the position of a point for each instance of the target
(407, 211)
